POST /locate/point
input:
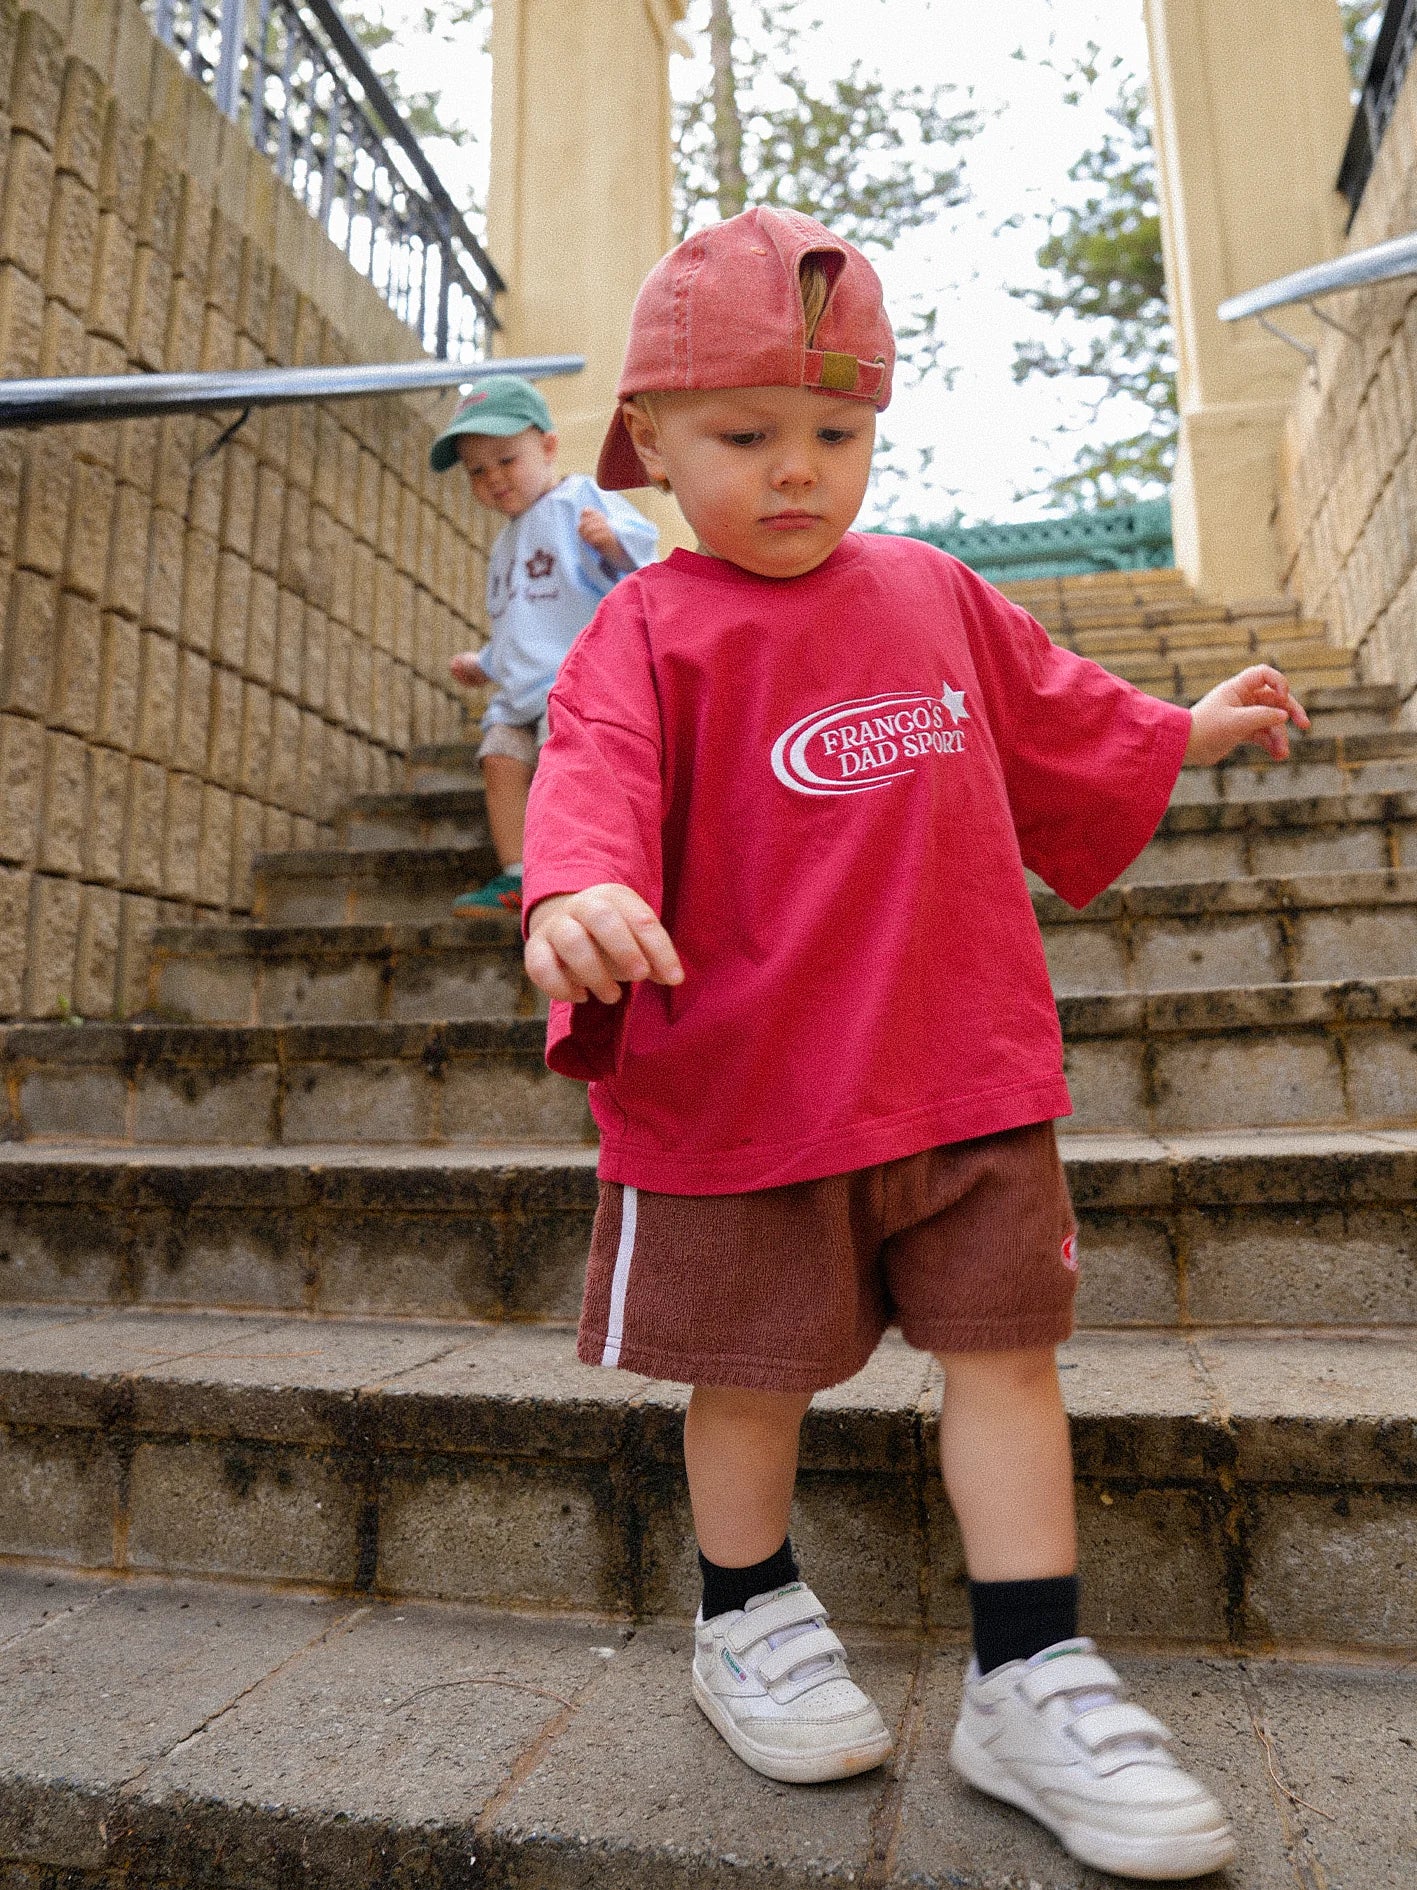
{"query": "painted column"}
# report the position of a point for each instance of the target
(580, 205)
(1251, 102)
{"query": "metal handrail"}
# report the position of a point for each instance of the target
(293, 73)
(74, 400)
(1383, 262)
(396, 127)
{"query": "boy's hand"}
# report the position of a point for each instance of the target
(466, 669)
(590, 943)
(594, 528)
(1254, 706)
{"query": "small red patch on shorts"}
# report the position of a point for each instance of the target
(1070, 1253)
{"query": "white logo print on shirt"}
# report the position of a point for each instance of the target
(853, 746)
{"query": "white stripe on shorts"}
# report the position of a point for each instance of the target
(619, 1284)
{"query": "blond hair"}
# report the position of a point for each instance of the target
(815, 284)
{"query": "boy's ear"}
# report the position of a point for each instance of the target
(645, 436)
(549, 444)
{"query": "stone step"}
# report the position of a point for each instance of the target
(442, 768)
(1265, 1056)
(1147, 936)
(465, 967)
(206, 1736)
(455, 817)
(1382, 761)
(1281, 835)
(1237, 1488)
(1328, 761)
(1286, 1228)
(1199, 935)
(288, 1085)
(365, 885)
(1354, 708)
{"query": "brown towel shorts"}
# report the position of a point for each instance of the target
(967, 1248)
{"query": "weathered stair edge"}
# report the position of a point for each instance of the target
(1284, 1230)
(206, 1738)
(1233, 1490)
(1300, 1055)
(1209, 934)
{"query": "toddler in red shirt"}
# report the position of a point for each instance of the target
(775, 887)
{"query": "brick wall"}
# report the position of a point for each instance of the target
(1348, 486)
(201, 657)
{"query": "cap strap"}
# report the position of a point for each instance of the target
(842, 373)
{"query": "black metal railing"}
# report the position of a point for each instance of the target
(75, 400)
(1387, 68)
(294, 74)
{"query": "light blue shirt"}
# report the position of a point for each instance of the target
(543, 585)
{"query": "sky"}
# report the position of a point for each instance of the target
(990, 437)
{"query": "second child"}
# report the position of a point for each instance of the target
(564, 546)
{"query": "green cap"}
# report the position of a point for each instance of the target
(500, 405)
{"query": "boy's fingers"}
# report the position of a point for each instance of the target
(547, 974)
(658, 948)
(611, 931)
(582, 961)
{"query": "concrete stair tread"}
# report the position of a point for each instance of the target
(482, 1462)
(316, 862)
(477, 930)
(1175, 1152)
(1221, 1056)
(1296, 1228)
(515, 1387)
(144, 1045)
(1201, 897)
(229, 1736)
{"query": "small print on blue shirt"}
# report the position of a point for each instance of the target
(543, 585)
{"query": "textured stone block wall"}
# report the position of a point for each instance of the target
(201, 657)
(1348, 487)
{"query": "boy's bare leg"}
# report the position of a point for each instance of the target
(799, 1719)
(1058, 1739)
(1007, 1462)
(507, 782)
(740, 1451)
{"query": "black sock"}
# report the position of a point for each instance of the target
(1016, 1620)
(726, 1588)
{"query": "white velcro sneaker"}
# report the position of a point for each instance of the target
(1057, 1737)
(772, 1679)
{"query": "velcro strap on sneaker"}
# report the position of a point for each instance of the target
(817, 1644)
(795, 1608)
(1106, 1724)
(1068, 1673)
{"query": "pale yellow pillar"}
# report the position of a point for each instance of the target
(580, 205)
(1252, 110)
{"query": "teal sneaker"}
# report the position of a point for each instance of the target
(502, 893)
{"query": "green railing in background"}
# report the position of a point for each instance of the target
(1123, 538)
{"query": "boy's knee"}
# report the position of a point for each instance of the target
(732, 1404)
(1031, 1369)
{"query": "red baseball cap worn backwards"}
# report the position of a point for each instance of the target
(724, 309)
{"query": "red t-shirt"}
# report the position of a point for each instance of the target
(828, 787)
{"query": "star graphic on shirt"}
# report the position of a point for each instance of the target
(540, 565)
(953, 700)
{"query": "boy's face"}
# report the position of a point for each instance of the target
(770, 478)
(510, 474)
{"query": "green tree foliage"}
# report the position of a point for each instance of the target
(1361, 19)
(869, 160)
(382, 28)
(1106, 288)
